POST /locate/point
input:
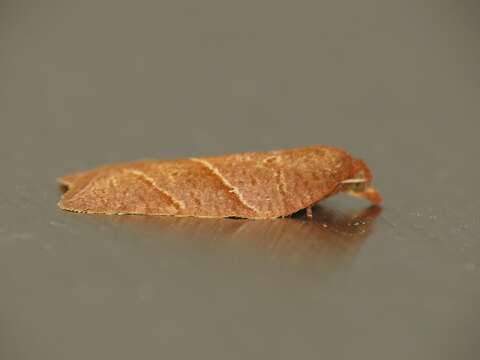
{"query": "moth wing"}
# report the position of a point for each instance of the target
(280, 183)
(115, 192)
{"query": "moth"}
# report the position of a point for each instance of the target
(254, 185)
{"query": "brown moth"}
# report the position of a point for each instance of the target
(256, 185)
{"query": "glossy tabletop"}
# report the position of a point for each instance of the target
(85, 83)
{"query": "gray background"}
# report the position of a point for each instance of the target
(83, 83)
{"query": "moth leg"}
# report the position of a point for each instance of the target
(309, 212)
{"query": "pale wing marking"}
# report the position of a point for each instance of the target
(227, 183)
(178, 203)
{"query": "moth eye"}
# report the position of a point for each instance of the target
(357, 187)
(360, 187)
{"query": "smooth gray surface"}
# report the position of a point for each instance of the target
(84, 83)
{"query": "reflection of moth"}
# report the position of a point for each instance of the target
(329, 238)
(250, 185)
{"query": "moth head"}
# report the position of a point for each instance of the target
(359, 183)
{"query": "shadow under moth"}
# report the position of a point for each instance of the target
(255, 185)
